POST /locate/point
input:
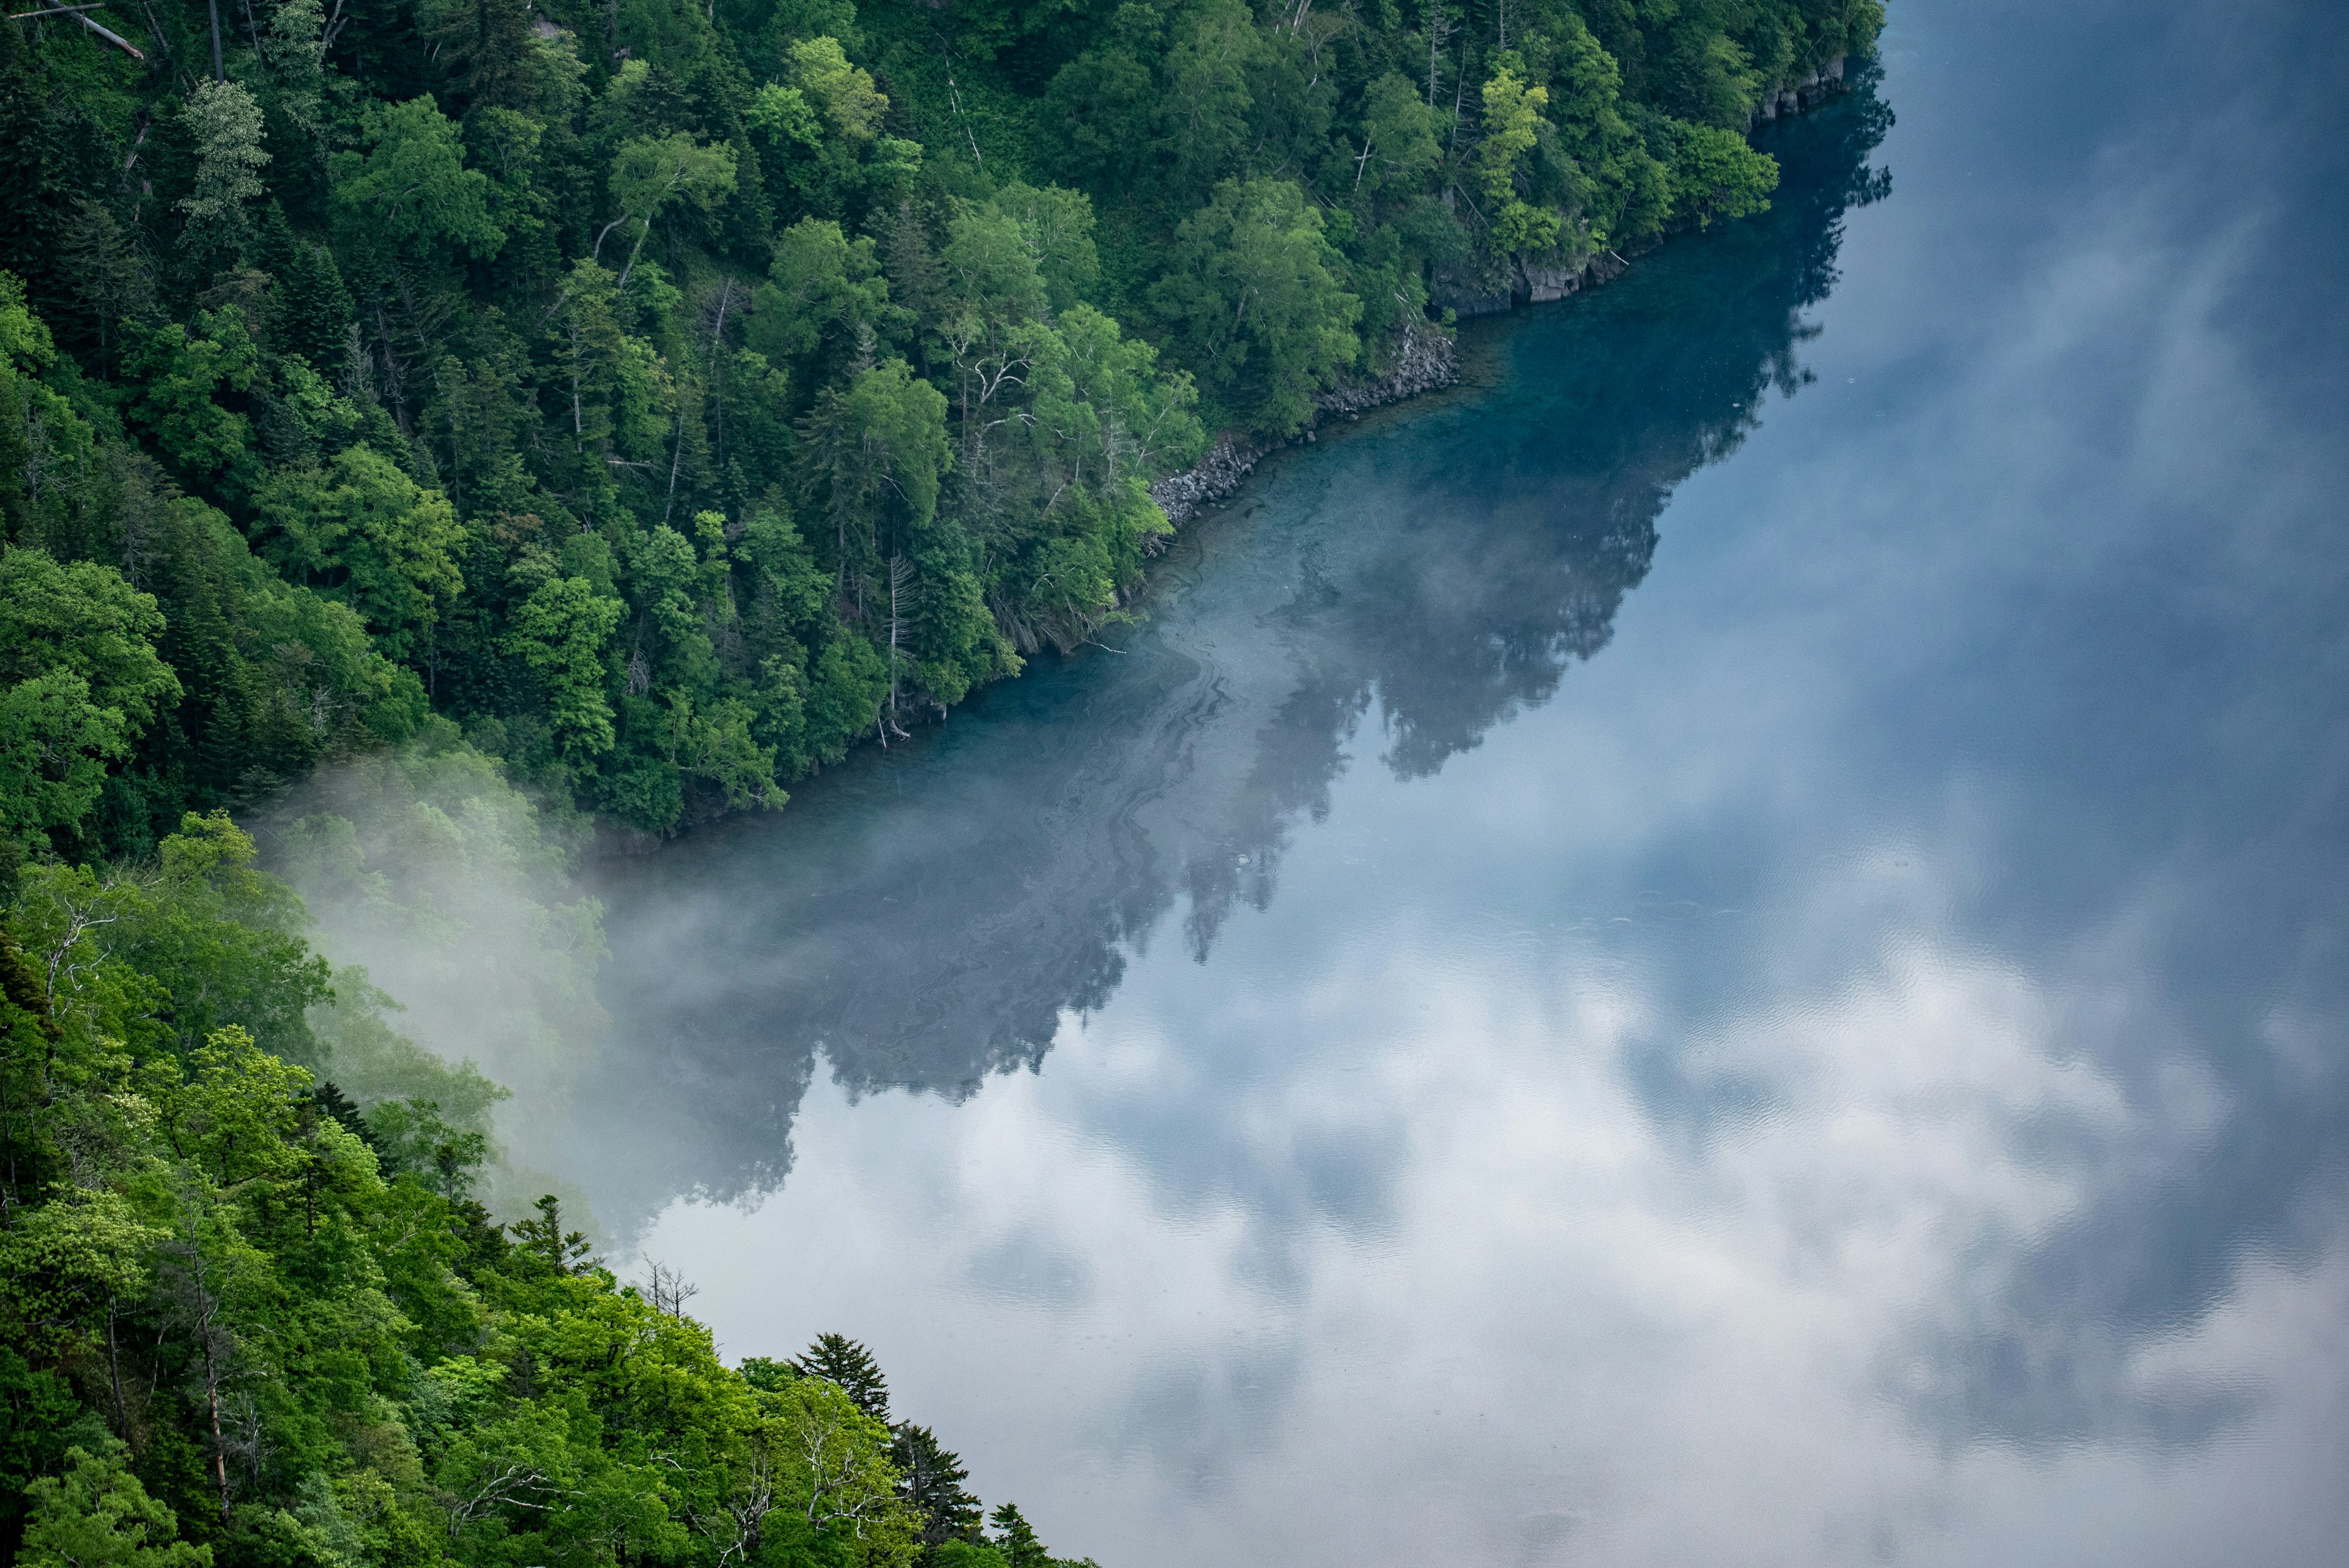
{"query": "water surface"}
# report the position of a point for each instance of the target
(1725, 945)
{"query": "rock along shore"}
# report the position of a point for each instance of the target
(1429, 357)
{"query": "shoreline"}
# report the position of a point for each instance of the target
(1430, 360)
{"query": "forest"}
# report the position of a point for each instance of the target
(624, 410)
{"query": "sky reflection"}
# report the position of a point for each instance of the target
(1810, 1030)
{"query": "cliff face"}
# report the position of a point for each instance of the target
(1523, 282)
(1802, 95)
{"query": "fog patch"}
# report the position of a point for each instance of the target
(449, 892)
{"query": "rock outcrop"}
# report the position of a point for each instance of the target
(1802, 95)
(1429, 360)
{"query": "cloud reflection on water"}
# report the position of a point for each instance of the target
(1854, 1074)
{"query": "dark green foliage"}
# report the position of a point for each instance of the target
(843, 1361)
(930, 1481)
(1016, 1538)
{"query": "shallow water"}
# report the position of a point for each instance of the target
(1724, 946)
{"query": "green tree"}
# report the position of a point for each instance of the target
(1400, 148)
(1254, 291)
(48, 450)
(648, 174)
(560, 631)
(847, 1364)
(1016, 1538)
(882, 441)
(182, 376)
(1205, 97)
(1716, 175)
(79, 678)
(1512, 125)
(930, 1482)
(363, 533)
(97, 1515)
(1623, 191)
(821, 71)
(412, 187)
(823, 286)
(224, 125)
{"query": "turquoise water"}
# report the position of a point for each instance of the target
(1724, 945)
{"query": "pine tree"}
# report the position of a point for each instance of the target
(314, 307)
(33, 197)
(343, 1109)
(566, 1251)
(224, 125)
(1016, 1538)
(844, 1361)
(932, 1484)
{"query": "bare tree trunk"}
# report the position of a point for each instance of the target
(114, 1370)
(218, 74)
(220, 1447)
(901, 574)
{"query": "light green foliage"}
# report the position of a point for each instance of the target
(247, 1255)
(412, 186)
(1400, 148)
(159, 957)
(47, 449)
(79, 678)
(1056, 225)
(648, 174)
(823, 284)
(560, 632)
(1253, 291)
(781, 114)
(224, 122)
(1512, 114)
(97, 1515)
(879, 448)
(365, 535)
(1204, 117)
(852, 106)
(1511, 127)
(1716, 175)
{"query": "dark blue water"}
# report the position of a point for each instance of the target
(1727, 945)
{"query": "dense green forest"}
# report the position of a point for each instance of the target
(672, 394)
(246, 1323)
(561, 413)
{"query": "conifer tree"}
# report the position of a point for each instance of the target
(931, 1483)
(1016, 1538)
(839, 1359)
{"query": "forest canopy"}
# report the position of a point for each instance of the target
(672, 395)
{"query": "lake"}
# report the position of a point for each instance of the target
(1727, 944)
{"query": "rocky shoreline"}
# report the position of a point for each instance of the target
(1429, 357)
(1430, 360)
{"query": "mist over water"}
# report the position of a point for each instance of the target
(1725, 945)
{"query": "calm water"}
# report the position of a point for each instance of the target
(1726, 946)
